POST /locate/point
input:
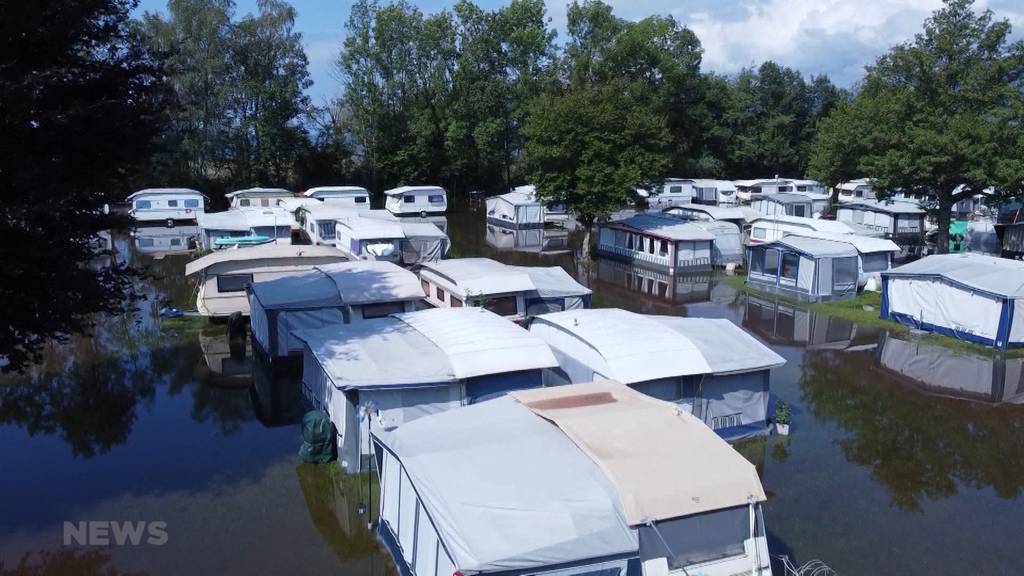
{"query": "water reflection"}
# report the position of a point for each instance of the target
(545, 241)
(65, 562)
(276, 397)
(920, 446)
(229, 361)
(935, 369)
(161, 240)
(628, 285)
(334, 501)
(779, 322)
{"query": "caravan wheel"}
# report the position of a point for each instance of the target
(423, 213)
(170, 222)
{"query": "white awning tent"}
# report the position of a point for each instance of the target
(515, 209)
(480, 276)
(546, 478)
(874, 254)
(424, 242)
(966, 296)
(329, 294)
(409, 365)
(554, 290)
(804, 268)
(727, 247)
(613, 344)
(711, 367)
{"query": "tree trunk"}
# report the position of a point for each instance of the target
(584, 261)
(942, 219)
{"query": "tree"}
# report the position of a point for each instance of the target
(942, 114)
(268, 79)
(81, 103)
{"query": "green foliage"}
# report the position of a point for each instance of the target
(783, 413)
(942, 114)
(241, 91)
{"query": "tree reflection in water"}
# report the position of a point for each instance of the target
(333, 499)
(65, 562)
(920, 446)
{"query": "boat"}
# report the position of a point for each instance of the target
(241, 241)
(381, 375)
(709, 367)
(222, 277)
(166, 205)
(416, 200)
(342, 293)
(587, 479)
(244, 227)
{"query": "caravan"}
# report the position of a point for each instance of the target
(257, 197)
(166, 205)
(355, 197)
(416, 200)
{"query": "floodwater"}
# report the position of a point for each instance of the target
(903, 458)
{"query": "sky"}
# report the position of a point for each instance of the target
(833, 37)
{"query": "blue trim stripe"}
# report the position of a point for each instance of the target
(1005, 319)
(907, 320)
(884, 313)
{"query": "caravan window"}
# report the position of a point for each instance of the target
(233, 282)
(409, 199)
(799, 210)
(264, 201)
(439, 293)
(875, 262)
(426, 287)
(675, 189)
(243, 202)
(790, 263)
(143, 204)
(759, 233)
(435, 199)
(663, 250)
(145, 242)
(327, 229)
(698, 538)
(382, 309)
(456, 302)
(172, 203)
(844, 271)
(360, 199)
(771, 262)
(192, 203)
(757, 261)
(503, 306)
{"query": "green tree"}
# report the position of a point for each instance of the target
(81, 104)
(267, 99)
(942, 114)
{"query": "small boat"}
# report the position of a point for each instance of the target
(239, 241)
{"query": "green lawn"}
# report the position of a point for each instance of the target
(864, 310)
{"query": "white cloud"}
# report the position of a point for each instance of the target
(834, 37)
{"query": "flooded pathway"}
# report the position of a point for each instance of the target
(904, 458)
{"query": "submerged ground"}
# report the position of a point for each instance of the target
(904, 458)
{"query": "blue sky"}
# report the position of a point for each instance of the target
(834, 37)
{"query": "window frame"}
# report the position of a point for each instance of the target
(409, 199)
(222, 277)
(191, 203)
(381, 309)
(495, 304)
(143, 204)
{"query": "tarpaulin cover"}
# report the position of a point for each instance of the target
(726, 347)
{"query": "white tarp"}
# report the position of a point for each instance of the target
(506, 490)
(936, 302)
(481, 276)
(726, 347)
(620, 345)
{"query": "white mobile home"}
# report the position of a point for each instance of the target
(855, 190)
(714, 192)
(369, 235)
(771, 228)
(515, 292)
(224, 275)
(710, 367)
(874, 255)
(166, 204)
(257, 197)
(785, 204)
(355, 197)
(344, 293)
(386, 373)
(747, 190)
(901, 222)
(804, 268)
(657, 240)
(557, 470)
(416, 200)
(673, 192)
(966, 296)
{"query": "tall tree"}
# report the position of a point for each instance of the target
(942, 114)
(267, 99)
(81, 102)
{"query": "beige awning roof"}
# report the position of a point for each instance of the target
(673, 465)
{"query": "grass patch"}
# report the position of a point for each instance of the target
(191, 324)
(854, 311)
